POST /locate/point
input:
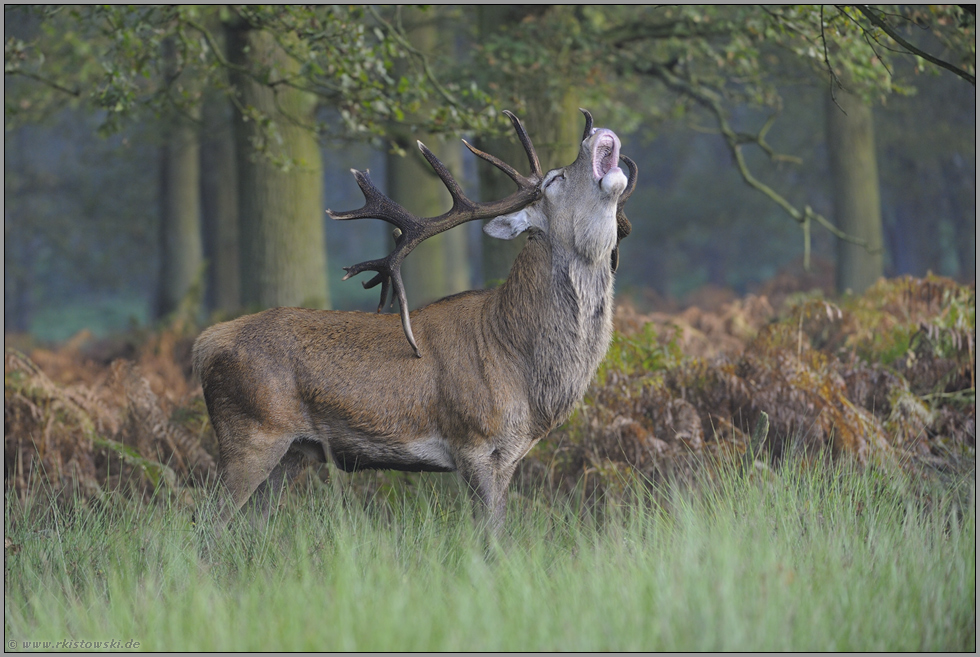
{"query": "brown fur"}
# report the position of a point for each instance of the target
(501, 368)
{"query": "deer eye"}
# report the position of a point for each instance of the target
(560, 176)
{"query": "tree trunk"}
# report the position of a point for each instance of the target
(857, 202)
(280, 179)
(219, 206)
(181, 252)
(439, 266)
(554, 124)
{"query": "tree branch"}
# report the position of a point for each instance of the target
(77, 93)
(868, 37)
(835, 82)
(887, 29)
(712, 102)
(398, 35)
(216, 48)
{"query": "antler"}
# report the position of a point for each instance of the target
(623, 226)
(411, 230)
(588, 124)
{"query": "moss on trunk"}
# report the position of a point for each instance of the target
(280, 179)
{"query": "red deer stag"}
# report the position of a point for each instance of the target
(493, 371)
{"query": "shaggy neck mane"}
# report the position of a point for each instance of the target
(555, 311)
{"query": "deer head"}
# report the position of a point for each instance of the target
(580, 205)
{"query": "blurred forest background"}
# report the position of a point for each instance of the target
(156, 156)
(800, 273)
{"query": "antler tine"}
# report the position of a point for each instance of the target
(396, 279)
(588, 124)
(370, 265)
(630, 186)
(385, 281)
(511, 172)
(376, 205)
(623, 226)
(631, 183)
(459, 198)
(532, 156)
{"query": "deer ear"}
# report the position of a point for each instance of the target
(508, 226)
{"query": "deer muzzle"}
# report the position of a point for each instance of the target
(605, 162)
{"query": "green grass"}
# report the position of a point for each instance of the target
(803, 559)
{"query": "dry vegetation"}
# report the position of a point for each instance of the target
(114, 417)
(888, 377)
(884, 378)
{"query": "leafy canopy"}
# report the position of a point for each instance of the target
(130, 60)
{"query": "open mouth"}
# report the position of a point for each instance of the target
(605, 153)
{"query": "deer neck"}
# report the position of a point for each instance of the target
(555, 310)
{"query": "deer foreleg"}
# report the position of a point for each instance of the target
(487, 476)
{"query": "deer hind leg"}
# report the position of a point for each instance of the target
(269, 494)
(245, 466)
